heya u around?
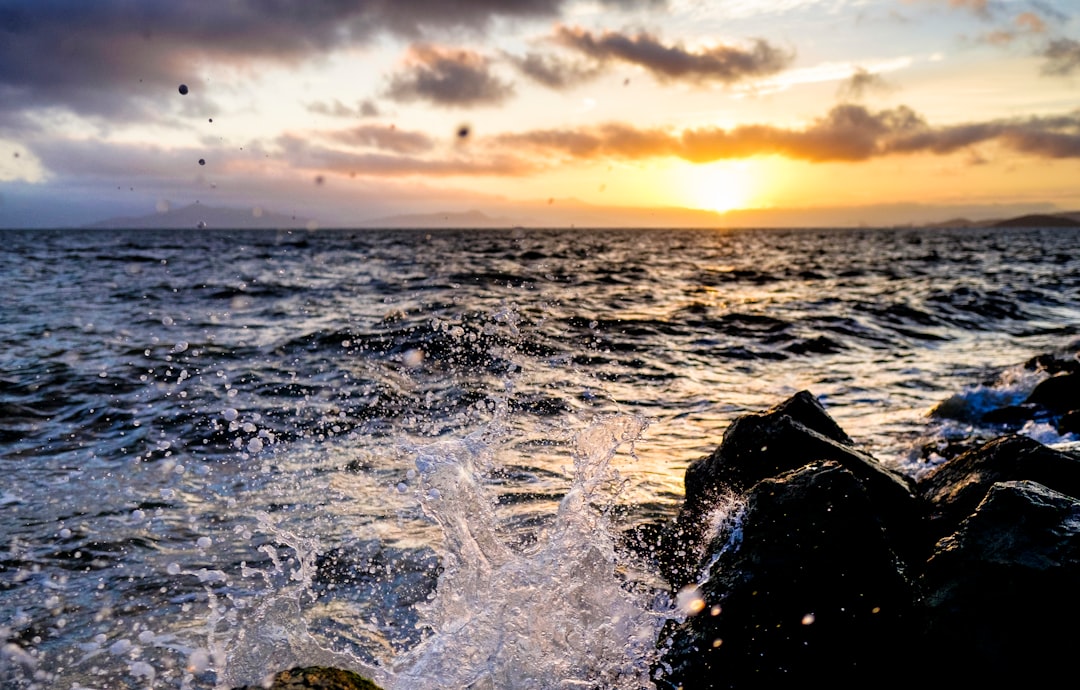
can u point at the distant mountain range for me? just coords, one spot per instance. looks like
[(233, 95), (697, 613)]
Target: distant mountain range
[(570, 213), (198, 216)]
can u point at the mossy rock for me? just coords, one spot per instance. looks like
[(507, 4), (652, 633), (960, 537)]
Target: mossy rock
[(316, 678)]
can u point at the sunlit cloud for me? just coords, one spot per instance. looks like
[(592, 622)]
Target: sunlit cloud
[(847, 132)]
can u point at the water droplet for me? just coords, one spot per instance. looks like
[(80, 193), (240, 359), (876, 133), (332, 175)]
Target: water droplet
[(689, 601), (183, 89), (199, 661), (808, 619), (65, 533), (255, 445), (120, 647), (463, 132), (202, 161), (413, 358), (204, 542), (173, 569), (230, 414)]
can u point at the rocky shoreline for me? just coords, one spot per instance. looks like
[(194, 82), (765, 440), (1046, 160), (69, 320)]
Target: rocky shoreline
[(798, 557)]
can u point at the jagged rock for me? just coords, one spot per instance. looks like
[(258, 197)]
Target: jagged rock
[(758, 446), (316, 678), (811, 591), (954, 489), (1002, 590)]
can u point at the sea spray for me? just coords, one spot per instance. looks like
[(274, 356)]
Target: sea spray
[(560, 614)]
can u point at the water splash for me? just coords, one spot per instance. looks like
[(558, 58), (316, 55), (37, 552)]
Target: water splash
[(559, 615)]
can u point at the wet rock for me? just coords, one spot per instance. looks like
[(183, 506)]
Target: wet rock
[(1069, 423), (1001, 591), (804, 586), (1058, 394), (836, 570), (759, 446), (953, 490), (316, 678)]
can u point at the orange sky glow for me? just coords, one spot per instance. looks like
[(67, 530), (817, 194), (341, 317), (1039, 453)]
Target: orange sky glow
[(344, 112)]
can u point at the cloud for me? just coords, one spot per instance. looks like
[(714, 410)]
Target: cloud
[(386, 138), (1024, 24), (846, 133), (980, 8), (553, 72), (724, 64), (364, 108), (860, 82), (448, 77), (1062, 57), (118, 59), (300, 153)]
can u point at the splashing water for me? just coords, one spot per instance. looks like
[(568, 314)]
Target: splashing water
[(558, 615)]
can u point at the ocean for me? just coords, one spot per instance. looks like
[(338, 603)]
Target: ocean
[(412, 453)]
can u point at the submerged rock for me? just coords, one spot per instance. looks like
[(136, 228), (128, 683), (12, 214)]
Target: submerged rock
[(316, 678)]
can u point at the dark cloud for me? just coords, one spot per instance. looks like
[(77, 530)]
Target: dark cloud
[(846, 133), (365, 108), (118, 59), (448, 77), (386, 138), (860, 83), (723, 64), (1062, 57), (552, 71)]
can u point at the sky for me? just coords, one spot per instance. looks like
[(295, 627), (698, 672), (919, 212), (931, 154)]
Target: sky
[(342, 111)]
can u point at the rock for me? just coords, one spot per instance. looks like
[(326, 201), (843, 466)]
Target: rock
[(953, 490), (811, 590), (1011, 415), (1002, 593), (1069, 423), (1052, 364), (1058, 394), (316, 678), (760, 446)]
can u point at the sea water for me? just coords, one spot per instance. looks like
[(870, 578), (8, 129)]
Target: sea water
[(416, 454)]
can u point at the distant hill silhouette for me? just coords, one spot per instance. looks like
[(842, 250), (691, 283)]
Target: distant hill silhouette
[(196, 216), (1039, 220)]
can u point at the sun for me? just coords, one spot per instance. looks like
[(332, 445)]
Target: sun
[(723, 186)]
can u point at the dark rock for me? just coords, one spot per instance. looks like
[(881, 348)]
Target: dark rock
[(759, 446), (954, 489), (1012, 415), (316, 678), (1069, 423), (810, 590), (1058, 394), (1002, 590), (1053, 364)]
